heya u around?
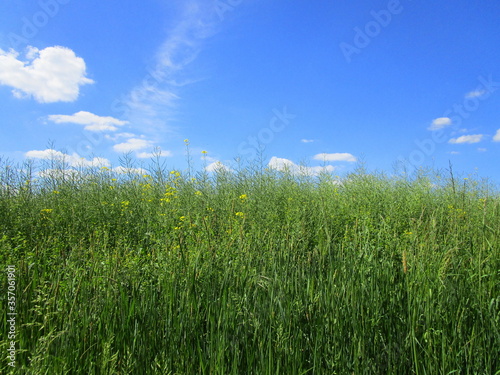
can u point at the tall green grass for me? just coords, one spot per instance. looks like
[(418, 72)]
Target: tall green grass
[(251, 272)]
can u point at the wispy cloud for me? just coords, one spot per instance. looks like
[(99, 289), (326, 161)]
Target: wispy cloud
[(340, 156), (53, 74), (115, 137), (307, 140), (89, 120), (154, 102), (473, 138), (475, 93), (440, 123)]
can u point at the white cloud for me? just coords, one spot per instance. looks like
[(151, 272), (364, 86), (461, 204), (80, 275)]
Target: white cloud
[(454, 152), (340, 156), (132, 144), (153, 103), (307, 140), (73, 160), (59, 173), (496, 137), (117, 136), (53, 74), (439, 123), (148, 155), (474, 138), (281, 164), (90, 121), (125, 170), (217, 166), (286, 165), (155, 98), (475, 93)]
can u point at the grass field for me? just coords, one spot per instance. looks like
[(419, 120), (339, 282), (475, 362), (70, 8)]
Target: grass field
[(250, 272)]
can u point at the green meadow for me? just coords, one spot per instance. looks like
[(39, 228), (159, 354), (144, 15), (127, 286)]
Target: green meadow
[(253, 271)]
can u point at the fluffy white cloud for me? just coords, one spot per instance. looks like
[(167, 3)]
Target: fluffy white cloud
[(217, 166), (73, 160), (496, 137), (53, 74), (281, 164), (287, 165), (339, 156), (473, 138), (132, 144), (90, 121), (439, 123)]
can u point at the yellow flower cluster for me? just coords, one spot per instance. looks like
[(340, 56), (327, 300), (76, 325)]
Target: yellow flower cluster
[(457, 211), (170, 192), (125, 205)]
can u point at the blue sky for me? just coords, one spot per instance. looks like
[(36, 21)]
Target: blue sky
[(321, 83)]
